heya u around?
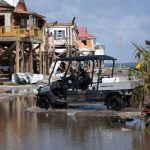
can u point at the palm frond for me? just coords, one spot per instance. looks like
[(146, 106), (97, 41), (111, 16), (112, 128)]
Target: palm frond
[(141, 93), (147, 125)]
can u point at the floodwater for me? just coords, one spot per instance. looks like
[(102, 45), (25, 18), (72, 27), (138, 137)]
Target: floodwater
[(26, 127)]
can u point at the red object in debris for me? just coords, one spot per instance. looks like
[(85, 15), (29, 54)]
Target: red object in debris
[(83, 33)]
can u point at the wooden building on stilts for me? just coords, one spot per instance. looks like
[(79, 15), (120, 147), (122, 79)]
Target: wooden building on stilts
[(60, 40), (21, 36)]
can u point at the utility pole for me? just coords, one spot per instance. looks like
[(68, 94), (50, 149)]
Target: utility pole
[(120, 52)]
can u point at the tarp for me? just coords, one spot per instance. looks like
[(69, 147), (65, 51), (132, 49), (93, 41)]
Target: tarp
[(27, 78)]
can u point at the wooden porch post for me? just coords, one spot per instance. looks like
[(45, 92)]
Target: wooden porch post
[(31, 58), (22, 57), (27, 57), (40, 54), (10, 65), (17, 55), (44, 64)]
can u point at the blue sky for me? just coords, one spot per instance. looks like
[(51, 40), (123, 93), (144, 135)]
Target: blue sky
[(108, 20)]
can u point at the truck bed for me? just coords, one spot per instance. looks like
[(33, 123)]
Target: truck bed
[(117, 84)]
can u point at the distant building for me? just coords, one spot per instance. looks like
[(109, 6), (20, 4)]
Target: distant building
[(64, 36), (86, 41), (99, 49), (147, 42)]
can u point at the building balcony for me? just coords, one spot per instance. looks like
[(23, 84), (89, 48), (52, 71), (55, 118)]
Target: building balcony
[(17, 32)]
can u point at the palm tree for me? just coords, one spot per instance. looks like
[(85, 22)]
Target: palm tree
[(141, 94)]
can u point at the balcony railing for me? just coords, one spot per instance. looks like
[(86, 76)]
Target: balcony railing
[(16, 31)]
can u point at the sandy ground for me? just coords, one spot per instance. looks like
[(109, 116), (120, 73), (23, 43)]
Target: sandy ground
[(7, 87), (125, 113)]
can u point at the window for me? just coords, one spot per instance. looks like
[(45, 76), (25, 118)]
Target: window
[(1, 20), (23, 23), (35, 21), (59, 34)]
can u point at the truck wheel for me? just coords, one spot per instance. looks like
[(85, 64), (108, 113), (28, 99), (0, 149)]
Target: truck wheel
[(42, 102), (114, 103), (127, 101)]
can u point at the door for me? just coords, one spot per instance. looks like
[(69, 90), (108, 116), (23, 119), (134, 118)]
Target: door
[(1, 20)]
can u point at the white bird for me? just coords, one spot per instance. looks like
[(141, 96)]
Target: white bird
[(71, 114), (125, 129)]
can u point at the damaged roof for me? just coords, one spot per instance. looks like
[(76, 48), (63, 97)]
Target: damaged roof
[(82, 33), (58, 24), (5, 6), (22, 9), (21, 6), (30, 13)]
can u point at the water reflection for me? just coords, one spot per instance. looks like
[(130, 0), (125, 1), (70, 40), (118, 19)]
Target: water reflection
[(25, 130), (24, 91), (81, 106)]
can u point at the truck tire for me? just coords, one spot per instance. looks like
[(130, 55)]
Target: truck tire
[(42, 102), (114, 103), (127, 102)]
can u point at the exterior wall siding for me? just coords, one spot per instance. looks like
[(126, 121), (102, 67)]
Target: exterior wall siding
[(68, 38), (88, 45)]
